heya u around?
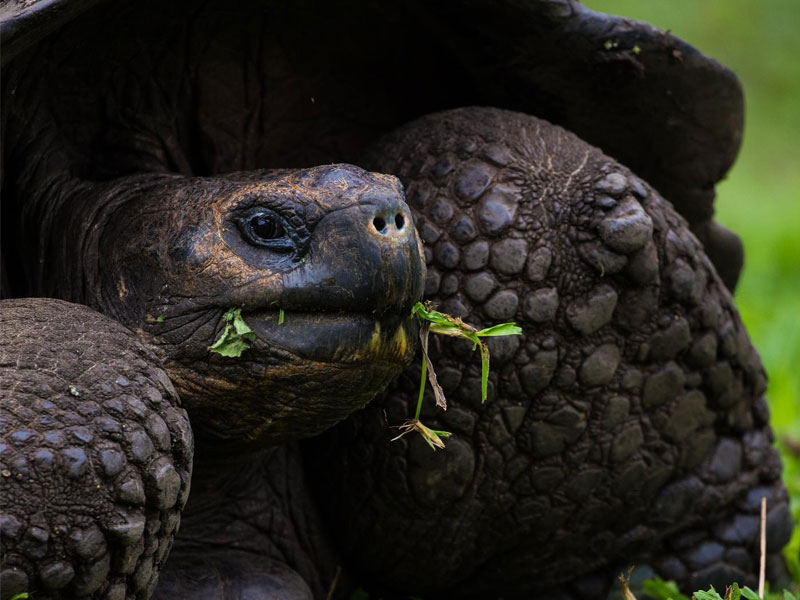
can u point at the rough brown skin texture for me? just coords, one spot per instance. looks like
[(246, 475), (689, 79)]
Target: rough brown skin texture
[(627, 424), (251, 528), (95, 457), (340, 280)]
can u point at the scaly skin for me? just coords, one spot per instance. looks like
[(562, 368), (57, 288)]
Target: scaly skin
[(631, 409), (95, 458)]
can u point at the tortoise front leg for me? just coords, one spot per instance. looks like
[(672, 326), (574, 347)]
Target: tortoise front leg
[(725, 549), (95, 455)]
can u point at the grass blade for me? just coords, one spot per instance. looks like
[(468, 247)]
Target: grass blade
[(484, 372), (501, 329)]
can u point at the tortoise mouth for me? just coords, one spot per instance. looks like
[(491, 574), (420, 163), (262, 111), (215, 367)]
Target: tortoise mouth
[(344, 337)]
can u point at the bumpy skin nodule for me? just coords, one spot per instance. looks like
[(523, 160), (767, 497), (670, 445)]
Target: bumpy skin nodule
[(627, 423), (95, 455)]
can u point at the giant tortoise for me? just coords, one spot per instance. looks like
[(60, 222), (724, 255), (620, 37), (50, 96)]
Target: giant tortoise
[(175, 175)]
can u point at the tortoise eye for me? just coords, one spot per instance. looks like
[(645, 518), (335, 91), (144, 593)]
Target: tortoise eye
[(265, 229)]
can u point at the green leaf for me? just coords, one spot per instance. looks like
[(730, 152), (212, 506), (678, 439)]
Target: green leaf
[(232, 348), (223, 339), (236, 336), (240, 327), (658, 589), (434, 316), (432, 437), (447, 329), (501, 329), (22, 596), (749, 594), (484, 372), (449, 325), (787, 595), (711, 594), (472, 338), (280, 316), (443, 324), (733, 593), (440, 433)]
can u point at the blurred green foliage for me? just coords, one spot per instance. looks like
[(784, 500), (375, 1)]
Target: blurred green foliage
[(760, 199)]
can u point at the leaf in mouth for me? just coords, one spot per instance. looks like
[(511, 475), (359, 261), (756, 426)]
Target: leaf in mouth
[(236, 336)]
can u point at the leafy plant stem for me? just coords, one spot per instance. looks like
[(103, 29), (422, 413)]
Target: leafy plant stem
[(443, 324), (422, 381)]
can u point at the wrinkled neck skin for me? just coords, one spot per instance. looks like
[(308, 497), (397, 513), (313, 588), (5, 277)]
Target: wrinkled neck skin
[(62, 216), (258, 505), (71, 217)]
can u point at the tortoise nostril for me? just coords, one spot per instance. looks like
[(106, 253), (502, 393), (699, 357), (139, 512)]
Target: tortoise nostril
[(379, 224), (391, 221)]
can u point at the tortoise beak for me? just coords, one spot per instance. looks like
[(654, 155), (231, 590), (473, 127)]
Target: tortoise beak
[(365, 258)]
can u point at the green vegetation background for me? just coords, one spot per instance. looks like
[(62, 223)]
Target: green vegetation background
[(760, 199)]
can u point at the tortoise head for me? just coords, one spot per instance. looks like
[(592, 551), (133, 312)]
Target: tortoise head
[(321, 264)]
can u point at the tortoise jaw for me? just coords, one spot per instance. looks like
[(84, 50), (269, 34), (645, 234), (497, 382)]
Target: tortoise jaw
[(321, 366), (347, 338)]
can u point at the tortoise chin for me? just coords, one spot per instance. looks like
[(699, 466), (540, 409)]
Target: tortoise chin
[(297, 379)]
